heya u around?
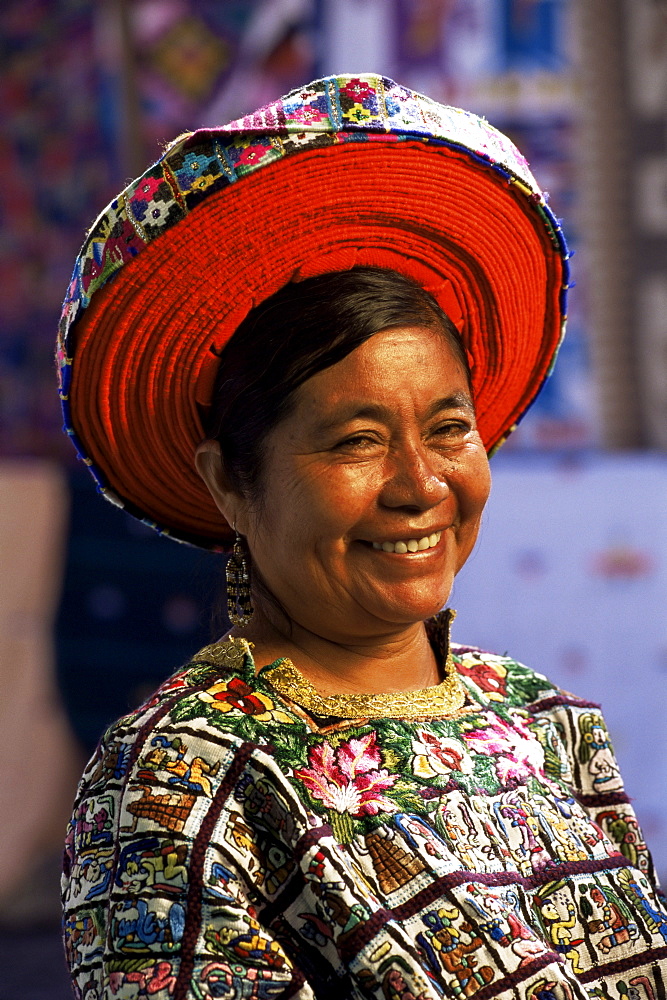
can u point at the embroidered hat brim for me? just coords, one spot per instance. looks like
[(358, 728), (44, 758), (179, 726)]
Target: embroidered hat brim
[(346, 171)]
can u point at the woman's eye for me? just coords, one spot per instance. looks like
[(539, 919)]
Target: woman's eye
[(453, 428), (357, 442)]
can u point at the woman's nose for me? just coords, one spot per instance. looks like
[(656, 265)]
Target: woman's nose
[(413, 481)]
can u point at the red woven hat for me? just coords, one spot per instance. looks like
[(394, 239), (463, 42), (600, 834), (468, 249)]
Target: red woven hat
[(346, 171)]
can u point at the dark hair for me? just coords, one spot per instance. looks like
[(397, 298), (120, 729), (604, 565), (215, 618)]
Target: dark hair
[(304, 328)]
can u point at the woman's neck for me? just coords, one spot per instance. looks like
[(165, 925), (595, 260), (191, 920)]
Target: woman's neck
[(403, 660)]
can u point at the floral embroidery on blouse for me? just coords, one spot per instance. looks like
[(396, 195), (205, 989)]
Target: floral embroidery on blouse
[(231, 841)]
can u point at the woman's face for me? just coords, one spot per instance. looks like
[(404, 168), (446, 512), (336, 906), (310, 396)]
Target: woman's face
[(373, 489)]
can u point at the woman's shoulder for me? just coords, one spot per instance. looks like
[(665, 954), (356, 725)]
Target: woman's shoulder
[(162, 763), (215, 694), (499, 678), (495, 679), (572, 731)]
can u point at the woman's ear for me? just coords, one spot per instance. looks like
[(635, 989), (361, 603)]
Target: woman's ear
[(211, 468)]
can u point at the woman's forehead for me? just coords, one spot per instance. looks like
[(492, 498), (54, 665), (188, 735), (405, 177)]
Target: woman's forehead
[(384, 377)]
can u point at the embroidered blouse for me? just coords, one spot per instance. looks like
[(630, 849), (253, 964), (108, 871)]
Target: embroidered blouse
[(241, 836)]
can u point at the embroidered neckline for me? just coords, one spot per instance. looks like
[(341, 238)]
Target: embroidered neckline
[(287, 680), (445, 698)]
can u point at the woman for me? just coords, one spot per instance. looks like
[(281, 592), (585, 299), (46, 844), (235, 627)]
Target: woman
[(298, 337)]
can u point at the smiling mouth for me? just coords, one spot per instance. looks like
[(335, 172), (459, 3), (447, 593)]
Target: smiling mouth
[(410, 544)]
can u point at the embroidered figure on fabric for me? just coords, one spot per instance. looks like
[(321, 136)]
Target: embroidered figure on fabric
[(460, 826), (451, 950), (624, 829), (393, 865), (92, 873), (222, 979), (219, 880), (503, 922), (240, 836), (263, 804), (560, 917), (611, 919), (422, 837), (655, 918), (193, 776), (152, 862), (249, 946), (556, 763), (148, 980), (112, 764), (137, 925), (596, 752), (548, 989), (519, 824), (562, 834), (84, 936)]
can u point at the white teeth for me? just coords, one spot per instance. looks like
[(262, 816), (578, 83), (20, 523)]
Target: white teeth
[(411, 545)]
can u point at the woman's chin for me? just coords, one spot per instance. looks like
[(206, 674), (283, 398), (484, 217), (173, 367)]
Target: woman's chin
[(409, 605)]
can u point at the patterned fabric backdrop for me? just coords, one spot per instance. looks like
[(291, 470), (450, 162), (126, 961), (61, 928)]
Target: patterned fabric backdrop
[(57, 163)]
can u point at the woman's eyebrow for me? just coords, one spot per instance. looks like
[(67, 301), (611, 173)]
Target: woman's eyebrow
[(456, 401), (352, 411)]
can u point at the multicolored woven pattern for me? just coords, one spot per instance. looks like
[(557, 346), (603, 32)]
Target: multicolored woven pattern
[(229, 841)]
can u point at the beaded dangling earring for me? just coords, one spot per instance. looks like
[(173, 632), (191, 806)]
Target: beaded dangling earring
[(239, 603)]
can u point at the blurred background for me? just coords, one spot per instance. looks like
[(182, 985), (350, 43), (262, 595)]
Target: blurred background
[(571, 571)]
